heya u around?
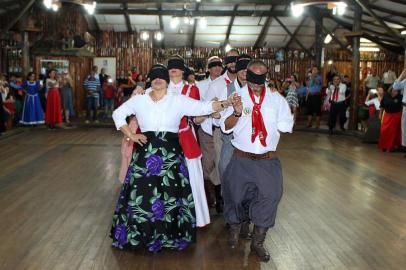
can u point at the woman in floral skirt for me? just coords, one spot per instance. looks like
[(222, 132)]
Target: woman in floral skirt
[(155, 208)]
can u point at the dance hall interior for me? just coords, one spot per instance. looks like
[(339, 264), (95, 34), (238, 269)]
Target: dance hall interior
[(202, 134)]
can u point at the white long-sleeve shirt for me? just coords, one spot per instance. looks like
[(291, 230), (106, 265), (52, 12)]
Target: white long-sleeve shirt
[(163, 115), (398, 84), (341, 92), (277, 118)]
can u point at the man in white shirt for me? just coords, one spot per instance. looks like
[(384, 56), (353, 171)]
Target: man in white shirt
[(253, 177), (336, 96), (400, 83), (389, 78), (210, 134), (371, 82)]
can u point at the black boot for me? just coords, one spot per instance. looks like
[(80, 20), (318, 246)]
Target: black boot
[(245, 230), (219, 199), (257, 243), (234, 235)]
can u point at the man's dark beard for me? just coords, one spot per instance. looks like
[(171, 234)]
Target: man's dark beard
[(231, 71)]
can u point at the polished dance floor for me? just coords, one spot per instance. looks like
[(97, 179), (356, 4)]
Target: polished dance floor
[(344, 207)]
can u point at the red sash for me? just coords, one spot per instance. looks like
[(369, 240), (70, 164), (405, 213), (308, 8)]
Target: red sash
[(187, 138)]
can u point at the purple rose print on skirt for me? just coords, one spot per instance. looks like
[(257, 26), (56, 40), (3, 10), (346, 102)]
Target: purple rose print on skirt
[(128, 175), (155, 246), (121, 234), (181, 244), (183, 169), (158, 208), (154, 164)]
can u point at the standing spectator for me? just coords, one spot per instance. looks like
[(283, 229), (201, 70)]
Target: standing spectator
[(140, 81), (389, 78), (67, 97), (331, 74), (32, 113), (371, 82), (313, 97), (17, 92), (102, 77), (292, 96), (109, 93), (400, 84), (336, 96), (373, 101), (53, 114), (390, 137), (91, 85)]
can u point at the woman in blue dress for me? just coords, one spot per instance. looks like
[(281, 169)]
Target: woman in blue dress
[(32, 110)]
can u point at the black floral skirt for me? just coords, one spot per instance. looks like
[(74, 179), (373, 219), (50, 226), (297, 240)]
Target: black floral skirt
[(155, 208)]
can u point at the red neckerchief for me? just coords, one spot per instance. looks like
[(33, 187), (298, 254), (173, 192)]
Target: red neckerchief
[(258, 126), (227, 81), (335, 94)]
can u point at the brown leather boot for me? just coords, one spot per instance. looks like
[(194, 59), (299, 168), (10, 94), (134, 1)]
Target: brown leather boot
[(257, 243), (234, 235), (245, 230)]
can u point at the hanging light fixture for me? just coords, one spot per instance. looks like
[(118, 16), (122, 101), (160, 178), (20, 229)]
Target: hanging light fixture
[(328, 39), (227, 48), (297, 9), (47, 3), (144, 35), (159, 36), (90, 7)]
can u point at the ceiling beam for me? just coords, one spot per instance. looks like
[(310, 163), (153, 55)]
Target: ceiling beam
[(396, 35), (296, 31), (161, 27), (332, 31), (197, 13), (292, 36), (377, 40), (15, 19), (389, 11), (193, 39), (402, 2), (230, 25), (127, 17), (386, 19), (235, 2), (264, 31)]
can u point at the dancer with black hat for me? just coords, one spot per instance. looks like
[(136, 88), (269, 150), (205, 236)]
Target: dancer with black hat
[(155, 208), (210, 135), (253, 178)]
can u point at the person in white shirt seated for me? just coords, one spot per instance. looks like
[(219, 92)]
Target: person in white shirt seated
[(253, 177), (336, 96), (155, 208)]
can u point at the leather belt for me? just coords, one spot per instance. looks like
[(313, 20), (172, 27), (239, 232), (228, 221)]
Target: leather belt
[(267, 155)]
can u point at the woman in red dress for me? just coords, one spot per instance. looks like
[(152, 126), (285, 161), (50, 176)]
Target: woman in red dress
[(53, 114)]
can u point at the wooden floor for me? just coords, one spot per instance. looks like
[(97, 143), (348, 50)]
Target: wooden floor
[(344, 207)]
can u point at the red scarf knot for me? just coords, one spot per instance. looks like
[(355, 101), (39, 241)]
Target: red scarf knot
[(258, 126)]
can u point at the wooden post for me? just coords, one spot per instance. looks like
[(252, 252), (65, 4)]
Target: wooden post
[(25, 54), (353, 124), (318, 46)]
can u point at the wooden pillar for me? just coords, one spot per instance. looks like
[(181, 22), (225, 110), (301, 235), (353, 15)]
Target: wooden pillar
[(318, 46), (25, 54), (355, 64)]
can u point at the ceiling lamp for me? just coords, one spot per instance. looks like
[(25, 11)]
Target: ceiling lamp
[(55, 6), (297, 9), (403, 32), (90, 7), (339, 8), (328, 39), (186, 20), (159, 36), (47, 3), (144, 35), (203, 22), (174, 22)]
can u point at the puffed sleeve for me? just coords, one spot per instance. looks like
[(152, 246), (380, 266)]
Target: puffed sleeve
[(285, 117), (191, 107), (126, 109)]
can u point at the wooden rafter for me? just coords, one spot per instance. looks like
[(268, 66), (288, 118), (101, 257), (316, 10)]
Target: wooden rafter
[(15, 19), (127, 17), (230, 26), (292, 36), (264, 31), (396, 35), (296, 31), (193, 39)]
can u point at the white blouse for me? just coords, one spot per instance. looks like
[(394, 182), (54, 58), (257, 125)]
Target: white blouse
[(163, 115), (375, 102)]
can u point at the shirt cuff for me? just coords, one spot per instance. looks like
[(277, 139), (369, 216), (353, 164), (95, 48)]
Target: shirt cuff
[(223, 123), (285, 126)]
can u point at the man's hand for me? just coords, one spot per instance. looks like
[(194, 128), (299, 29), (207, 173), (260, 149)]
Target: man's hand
[(237, 104)]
